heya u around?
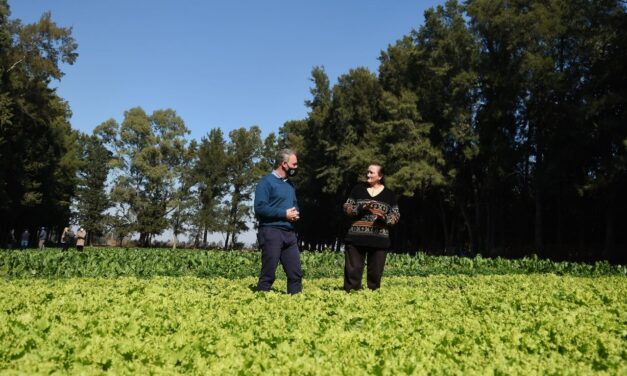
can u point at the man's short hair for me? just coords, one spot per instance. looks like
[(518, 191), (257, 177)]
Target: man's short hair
[(283, 155)]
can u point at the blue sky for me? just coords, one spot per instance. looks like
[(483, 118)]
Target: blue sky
[(217, 64)]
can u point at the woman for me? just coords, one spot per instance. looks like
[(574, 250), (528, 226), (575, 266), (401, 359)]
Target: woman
[(80, 238), (66, 238), (373, 210)]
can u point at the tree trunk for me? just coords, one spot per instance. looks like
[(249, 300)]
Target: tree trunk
[(226, 242), (608, 248), (538, 183), (233, 240), (538, 222), (469, 228), (558, 230), (196, 239), (480, 243), (489, 228), (444, 226)]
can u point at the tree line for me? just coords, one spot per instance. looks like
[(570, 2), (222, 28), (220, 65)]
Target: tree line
[(501, 125)]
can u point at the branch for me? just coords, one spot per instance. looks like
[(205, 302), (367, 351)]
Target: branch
[(15, 64)]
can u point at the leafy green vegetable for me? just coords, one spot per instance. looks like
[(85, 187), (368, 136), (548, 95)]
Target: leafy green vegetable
[(116, 262), (490, 324)]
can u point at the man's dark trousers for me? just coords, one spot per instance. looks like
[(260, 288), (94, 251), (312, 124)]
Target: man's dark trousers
[(279, 245)]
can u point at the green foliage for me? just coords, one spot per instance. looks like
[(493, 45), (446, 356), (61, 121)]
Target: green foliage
[(181, 207), (38, 149), (116, 262), (92, 198), (413, 325), (245, 160), (501, 123), (151, 157), (209, 173)]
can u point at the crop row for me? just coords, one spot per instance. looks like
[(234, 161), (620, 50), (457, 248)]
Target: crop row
[(116, 262)]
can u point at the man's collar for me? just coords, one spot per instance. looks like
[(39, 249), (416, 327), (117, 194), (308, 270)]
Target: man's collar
[(278, 176)]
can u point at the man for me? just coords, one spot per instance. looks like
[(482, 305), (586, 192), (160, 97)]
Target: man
[(42, 238), (24, 239), (276, 209)]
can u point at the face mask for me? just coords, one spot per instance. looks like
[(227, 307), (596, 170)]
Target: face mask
[(289, 172)]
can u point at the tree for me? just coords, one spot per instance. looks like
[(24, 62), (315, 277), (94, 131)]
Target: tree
[(437, 66), (243, 153), (182, 203), (150, 154), (210, 175), (92, 200), (604, 53), (37, 145), (311, 140)]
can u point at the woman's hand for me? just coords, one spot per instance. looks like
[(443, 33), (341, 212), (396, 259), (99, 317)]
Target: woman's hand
[(367, 206)]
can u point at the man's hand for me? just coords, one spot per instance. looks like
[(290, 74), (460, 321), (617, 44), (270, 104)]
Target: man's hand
[(292, 214)]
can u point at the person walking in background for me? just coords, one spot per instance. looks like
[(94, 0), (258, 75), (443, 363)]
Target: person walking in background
[(276, 209), (373, 210), (42, 238), (66, 238), (80, 238), (11, 241), (24, 239)]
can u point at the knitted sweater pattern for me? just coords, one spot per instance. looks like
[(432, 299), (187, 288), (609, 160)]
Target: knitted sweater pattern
[(367, 229)]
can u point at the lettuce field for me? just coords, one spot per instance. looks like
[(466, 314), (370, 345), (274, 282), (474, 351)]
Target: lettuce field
[(195, 312)]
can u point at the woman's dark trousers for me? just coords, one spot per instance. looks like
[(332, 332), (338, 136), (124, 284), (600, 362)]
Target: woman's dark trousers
[(355, 260)]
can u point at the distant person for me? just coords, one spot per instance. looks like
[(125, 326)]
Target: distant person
[(12, 241), (24, 239), (276, 209), (373, 210), (80, 238), (42, 238), (66, 238)]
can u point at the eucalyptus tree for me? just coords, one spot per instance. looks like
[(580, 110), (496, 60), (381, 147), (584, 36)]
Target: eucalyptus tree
[(268, 153), (181, 207), (310, 139), (150, 160), (243, 154), (503, 121), (210, 176), (551, 107), (338, 120), (349, 126), (436, 65), (37, 145), (603, 58), (92, 200)]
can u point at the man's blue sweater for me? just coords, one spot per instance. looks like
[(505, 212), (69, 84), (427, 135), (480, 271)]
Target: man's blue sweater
[(273, 196)]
